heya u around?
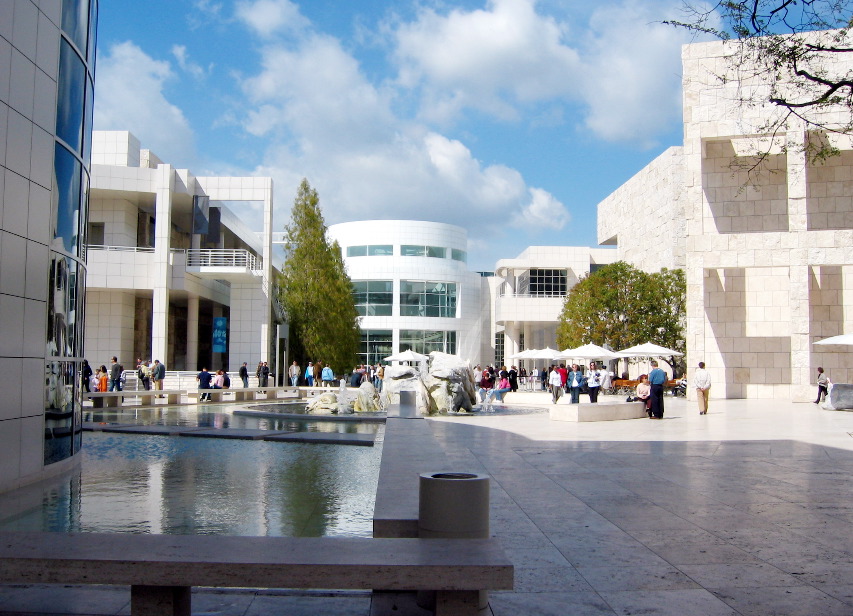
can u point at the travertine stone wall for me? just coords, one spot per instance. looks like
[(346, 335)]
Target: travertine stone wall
[(769, 262)]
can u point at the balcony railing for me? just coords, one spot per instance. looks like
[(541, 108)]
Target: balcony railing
[(219, 257)]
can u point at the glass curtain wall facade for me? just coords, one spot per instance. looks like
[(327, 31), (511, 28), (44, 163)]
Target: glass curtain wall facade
[(69, 205)]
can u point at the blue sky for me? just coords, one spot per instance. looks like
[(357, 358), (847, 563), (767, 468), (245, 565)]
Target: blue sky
[(511, 118)]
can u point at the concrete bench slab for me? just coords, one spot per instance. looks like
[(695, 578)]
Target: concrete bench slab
[(161, 569), (602, 411), (232, 433), (148, 397), (156, 430), (100, 399)]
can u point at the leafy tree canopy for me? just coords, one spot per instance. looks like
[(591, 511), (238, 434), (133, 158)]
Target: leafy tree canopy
[(804, 78), (316, 290), (620, 306)]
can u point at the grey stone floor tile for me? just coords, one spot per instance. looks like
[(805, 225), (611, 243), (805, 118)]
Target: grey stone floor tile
[(842, 592), (549, 604), (820, 573), (549, 579), (537, 557), (703, 554), (636, 577), (653, 537), (739, 575), (512, 541), (686, 602), (48, 598), (271, 605), (782, 601)]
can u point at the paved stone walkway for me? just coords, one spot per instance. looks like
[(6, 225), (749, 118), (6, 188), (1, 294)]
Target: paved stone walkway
[(745, 511)]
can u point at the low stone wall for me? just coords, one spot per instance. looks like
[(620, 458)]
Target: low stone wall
[(602, 411)]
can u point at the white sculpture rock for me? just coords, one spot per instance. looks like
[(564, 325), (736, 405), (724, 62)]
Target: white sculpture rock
[(345, 402), (446, 385)]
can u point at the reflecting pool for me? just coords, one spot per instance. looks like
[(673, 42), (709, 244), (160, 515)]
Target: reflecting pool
[(180, 485)]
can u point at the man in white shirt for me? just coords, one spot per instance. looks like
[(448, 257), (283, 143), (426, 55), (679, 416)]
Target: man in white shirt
[(702, 383)]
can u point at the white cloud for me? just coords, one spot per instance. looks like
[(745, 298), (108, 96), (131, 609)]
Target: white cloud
[(269, 17), (631, 80), (328, 123), (484, 59), (130, 97), (186, 65), (619, 73)]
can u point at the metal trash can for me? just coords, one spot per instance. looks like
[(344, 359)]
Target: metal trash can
[(453, 506)]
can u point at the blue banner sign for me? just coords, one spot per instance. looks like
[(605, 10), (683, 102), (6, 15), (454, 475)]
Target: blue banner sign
[(220, 334)]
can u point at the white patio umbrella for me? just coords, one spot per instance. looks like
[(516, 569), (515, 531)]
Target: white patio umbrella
[(521, 354), (408, 355), (845, 339), (546, 353), (648, 350), (589, 351)]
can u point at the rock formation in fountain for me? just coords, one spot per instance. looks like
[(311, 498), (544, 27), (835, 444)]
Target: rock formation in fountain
[(344, 402), (447, 384)]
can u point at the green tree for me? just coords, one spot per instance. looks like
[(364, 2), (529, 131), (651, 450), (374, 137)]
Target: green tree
[(804, 78), (620, 306), (315, 289)]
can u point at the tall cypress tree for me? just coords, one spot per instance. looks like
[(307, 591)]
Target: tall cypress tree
[(316, 290)]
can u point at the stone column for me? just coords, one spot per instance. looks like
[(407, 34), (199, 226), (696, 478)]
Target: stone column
[(796, 175), (192, 332), (161, 269), (800, 331)]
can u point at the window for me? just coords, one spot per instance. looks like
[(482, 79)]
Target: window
[(380, 250), (499, 349), (409, 250), (71, 97), (376, 345), (373, 297), (96, 234), (459, 255), (375, 250), (425, 341), (427, 299), (543, 283), (67, 190)]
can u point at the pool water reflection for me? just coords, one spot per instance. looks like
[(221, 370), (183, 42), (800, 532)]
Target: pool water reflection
[(180, 485)]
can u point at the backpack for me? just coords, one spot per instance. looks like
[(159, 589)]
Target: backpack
[(226, 381)]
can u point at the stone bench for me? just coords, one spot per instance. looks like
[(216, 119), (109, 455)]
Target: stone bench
[(602, 411), (148, 396), (254, 393), (215, 394), (162, 569), (100, 399)]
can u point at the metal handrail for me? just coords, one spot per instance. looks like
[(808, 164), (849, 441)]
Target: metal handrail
[(119, 248), (220, 257)]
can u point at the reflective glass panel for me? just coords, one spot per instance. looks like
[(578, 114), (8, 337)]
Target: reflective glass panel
[(75, 21), (376, 344), (356, 251), (65, 198), (63, 337), (63, 414), (459, 255), (436, 251), (71, 95), (412, 251), (380, 250), (426, 341), (427, 299)]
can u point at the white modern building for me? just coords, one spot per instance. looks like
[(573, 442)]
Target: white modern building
[(413, 287), (528, 292), (175, 271), (47, 53), (769, 267)]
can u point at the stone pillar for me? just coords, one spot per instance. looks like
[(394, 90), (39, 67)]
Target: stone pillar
[(799, 276), (161, 273), (796, 176), (192, 332)]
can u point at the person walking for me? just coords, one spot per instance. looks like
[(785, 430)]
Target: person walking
[(594, 378), (158, 374), (702, 383), (328, 376), (822, 385), (574, 380), (293, 373), (556, 383), (657, 379), (86, 376), (265, 375), (244, 374), (309, 374), (204, 379), (116, 370)]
